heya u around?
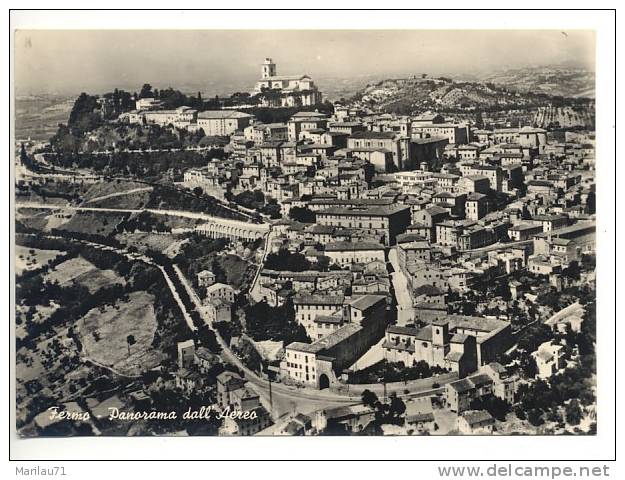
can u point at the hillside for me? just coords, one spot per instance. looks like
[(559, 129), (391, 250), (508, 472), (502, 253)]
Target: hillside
[(562, 81), (410, 95)]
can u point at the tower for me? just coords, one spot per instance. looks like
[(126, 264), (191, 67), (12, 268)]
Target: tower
[(440, 341), (268, 69)]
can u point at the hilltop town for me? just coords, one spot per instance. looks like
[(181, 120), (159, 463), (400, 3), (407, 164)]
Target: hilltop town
[(416, 259)]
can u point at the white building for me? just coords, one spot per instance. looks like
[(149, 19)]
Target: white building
[(548, 359), (222, 123), (291, 90)]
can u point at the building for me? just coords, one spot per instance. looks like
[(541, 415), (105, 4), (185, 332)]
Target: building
[(549, 359), (220, 291), (476, 206), (261, 132), (446, 335), (227, 384), (493, 173), (384, 222), (567, 244), (474, 183), (459, 394), (504, 385), (475, 422), (222, 123), (204, 360), (147, 103), (533, 137), (181, 117), (433, 344), (234, 395), (412, 253), (381, 141), (524, 231), (551, 223), (285, 90), (186, 350), (454, 133), (420, 414), (205, 278), (319, 364), (355, 418), (347, 253), (309, 307)]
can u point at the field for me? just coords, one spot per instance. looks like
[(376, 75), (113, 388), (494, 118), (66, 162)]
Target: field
[(104, 335), (79, 270), (117, 194), (102, 223), (39, 316), (239, 272), (37, 117), (32, 258), (167, 244), (103, 189)]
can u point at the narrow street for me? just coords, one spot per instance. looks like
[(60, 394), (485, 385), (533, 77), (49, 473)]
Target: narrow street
[(284, 398), (255, 287), (405, 309)]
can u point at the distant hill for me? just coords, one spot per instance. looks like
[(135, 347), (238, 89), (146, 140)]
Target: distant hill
[(37, 116), (419, 93), (562, 81)]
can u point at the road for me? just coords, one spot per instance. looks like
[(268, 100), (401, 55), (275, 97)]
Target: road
[(405, 308), (255, 287), (284, 398), (81, 174), (173, 213), (119, 194), (575, 309)]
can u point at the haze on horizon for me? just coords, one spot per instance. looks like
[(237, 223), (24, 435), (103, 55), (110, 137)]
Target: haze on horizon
[(224, 61)]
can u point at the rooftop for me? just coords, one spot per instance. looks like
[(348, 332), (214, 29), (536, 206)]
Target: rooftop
[(375, 210), (221, 114), (373, 135), (473, 417), (350, 246), (366, 301), (318, 299)]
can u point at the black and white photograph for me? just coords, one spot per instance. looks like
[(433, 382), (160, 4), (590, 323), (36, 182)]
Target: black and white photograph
[(306, 232)]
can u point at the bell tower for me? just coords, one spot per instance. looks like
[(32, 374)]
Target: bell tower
[(440, 341), (268, 69)]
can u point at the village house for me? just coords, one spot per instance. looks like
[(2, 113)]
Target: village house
[(475, 422)]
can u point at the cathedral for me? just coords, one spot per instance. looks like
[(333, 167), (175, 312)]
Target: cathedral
[(285, 90)]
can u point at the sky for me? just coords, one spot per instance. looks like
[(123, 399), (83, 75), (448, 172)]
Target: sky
[(224, 61)]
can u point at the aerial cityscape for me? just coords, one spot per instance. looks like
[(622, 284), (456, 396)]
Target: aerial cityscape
[(407, 254)]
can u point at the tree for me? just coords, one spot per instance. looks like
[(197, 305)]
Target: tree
[(528, 365), (130, 340), (369, 398), (534, 336), (302, 214), (535, 417), (285, 260), (573, 412), (397, 407), (479, 121), (146, 91), (497, 407)]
